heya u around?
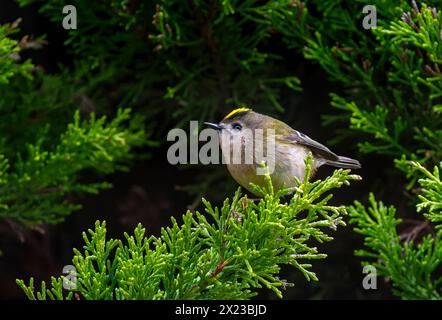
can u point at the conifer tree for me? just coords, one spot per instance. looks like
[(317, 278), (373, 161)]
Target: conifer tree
[(174, 61)]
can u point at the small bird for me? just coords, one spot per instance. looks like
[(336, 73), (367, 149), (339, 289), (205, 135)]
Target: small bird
[(291, 148)]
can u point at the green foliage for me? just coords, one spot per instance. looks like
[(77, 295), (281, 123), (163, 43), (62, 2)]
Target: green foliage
[(34, 189), (431, 198), (224, 254), (430, 188), (42, 151), (391, 98), (412, 267), (207, 55), (390, 73), (9, 54), (175, 61)]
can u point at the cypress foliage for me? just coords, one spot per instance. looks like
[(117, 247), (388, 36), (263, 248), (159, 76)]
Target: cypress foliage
[(175, 61)]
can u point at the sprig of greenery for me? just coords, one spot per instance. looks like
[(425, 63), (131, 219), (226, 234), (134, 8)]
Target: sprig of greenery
[(412, 266), (10, 54), (33, 189), (431, 197), (150, 37), (42, 151), (226, 253), (209, 55), (392, 95), (407, 41)]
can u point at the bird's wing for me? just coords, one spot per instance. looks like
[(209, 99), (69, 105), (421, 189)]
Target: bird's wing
[(314, 146)]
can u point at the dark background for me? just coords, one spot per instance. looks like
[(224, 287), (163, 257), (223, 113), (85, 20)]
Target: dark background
[(43, 251)]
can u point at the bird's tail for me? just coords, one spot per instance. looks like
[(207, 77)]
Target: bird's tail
[(345, 163)]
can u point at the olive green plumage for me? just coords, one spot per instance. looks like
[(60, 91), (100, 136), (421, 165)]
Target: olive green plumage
[(290, 149)]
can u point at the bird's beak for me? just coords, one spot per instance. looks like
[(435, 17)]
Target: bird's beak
[(213, 125)]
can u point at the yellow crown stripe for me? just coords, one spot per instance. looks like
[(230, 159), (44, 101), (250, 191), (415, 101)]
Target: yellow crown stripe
[(231, 114)]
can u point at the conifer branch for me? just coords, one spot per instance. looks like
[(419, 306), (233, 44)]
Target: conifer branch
[(226, 253)]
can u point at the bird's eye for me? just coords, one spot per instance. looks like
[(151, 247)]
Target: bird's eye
[(237, 126)]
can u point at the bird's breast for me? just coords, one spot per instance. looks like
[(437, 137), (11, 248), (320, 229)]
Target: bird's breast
[(287, 162)]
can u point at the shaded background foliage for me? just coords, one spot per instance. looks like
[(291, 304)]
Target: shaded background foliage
[(173, 62)]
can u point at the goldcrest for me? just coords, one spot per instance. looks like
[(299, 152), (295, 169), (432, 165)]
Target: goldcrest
[(283, 146)]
